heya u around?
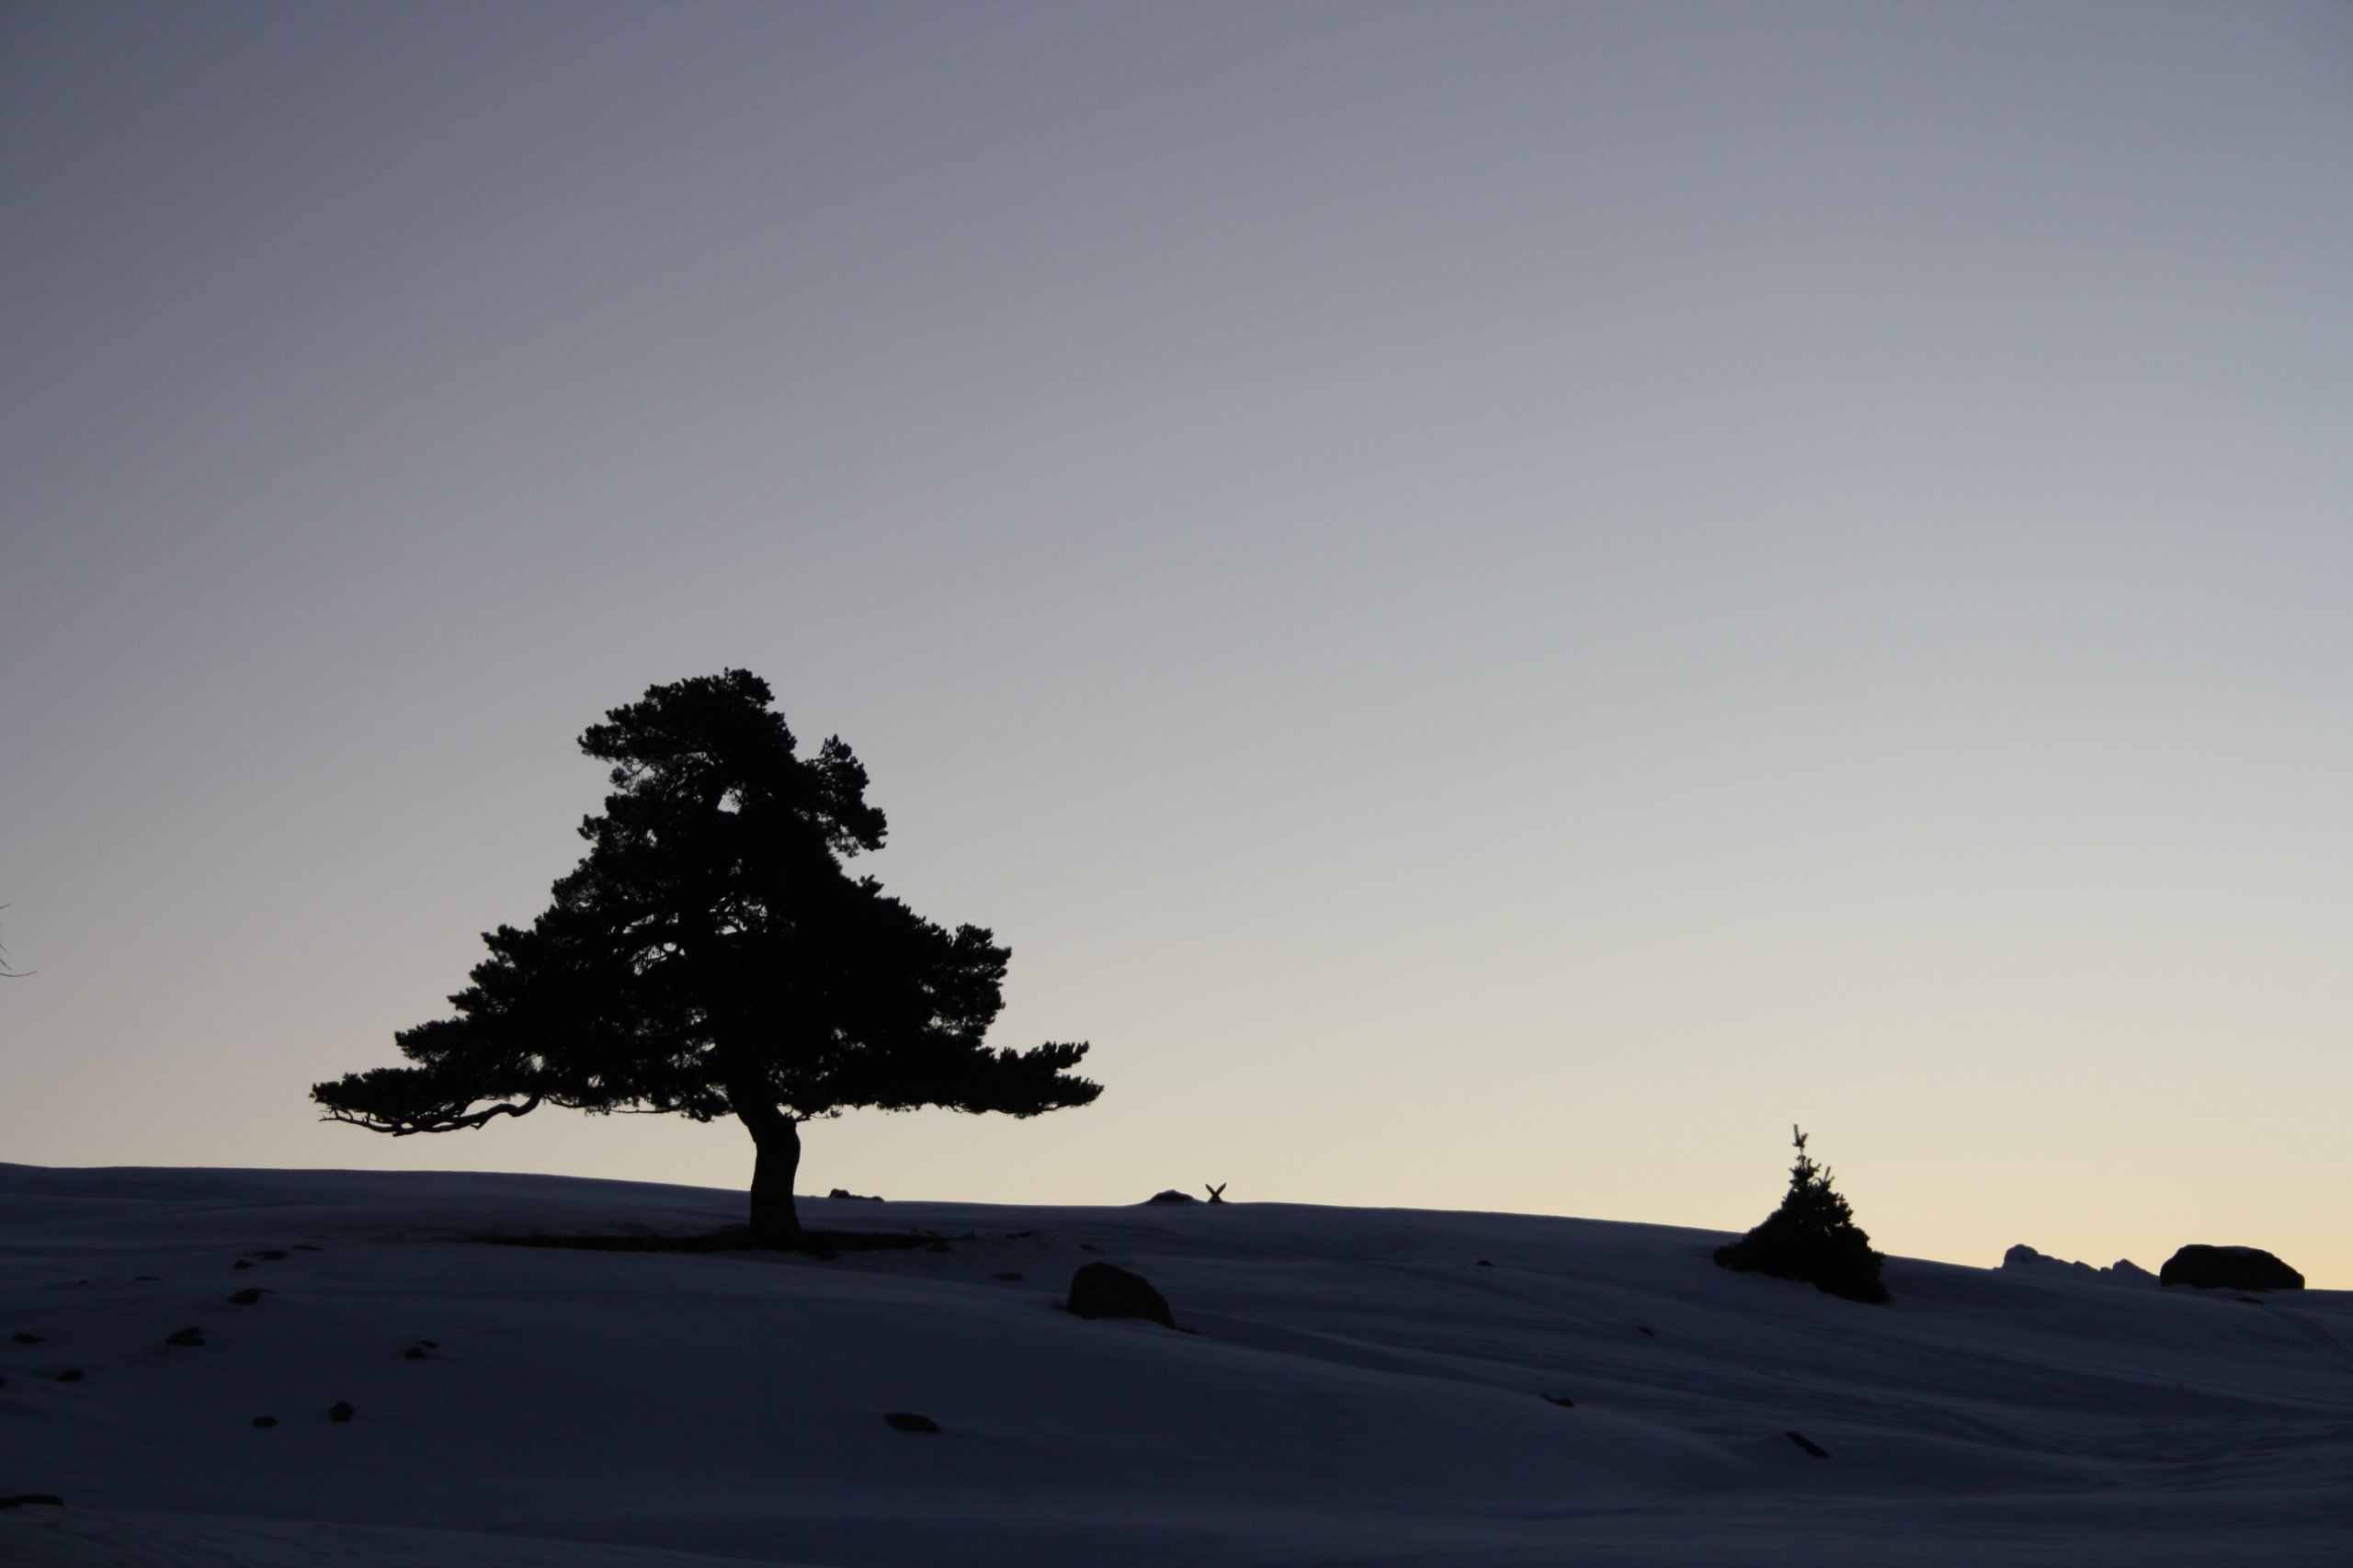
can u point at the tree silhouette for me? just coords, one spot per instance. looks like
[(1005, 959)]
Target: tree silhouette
[(710, 957), (1812, 1237)]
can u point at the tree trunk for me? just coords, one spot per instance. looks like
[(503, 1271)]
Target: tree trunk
[(777, 1139)]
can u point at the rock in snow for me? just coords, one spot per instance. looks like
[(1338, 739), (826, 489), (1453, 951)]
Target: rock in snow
[(1106, 1291), (2024, 1259), (2228, 1268)]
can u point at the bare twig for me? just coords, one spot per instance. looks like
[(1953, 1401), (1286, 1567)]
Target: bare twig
[(7, 971)]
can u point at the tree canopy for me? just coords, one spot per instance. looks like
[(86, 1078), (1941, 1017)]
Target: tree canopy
[(710, 956)]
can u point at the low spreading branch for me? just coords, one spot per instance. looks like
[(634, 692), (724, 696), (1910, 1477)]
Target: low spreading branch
[(430, 1122)]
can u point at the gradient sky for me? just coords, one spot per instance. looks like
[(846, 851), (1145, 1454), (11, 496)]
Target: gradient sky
[(1497, 601)]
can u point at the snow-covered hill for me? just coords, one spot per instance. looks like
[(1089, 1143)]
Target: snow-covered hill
[(1360, 1386)]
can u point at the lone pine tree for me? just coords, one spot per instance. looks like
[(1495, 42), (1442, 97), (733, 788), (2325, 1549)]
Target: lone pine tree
[(710, 957), (1811, 1237)]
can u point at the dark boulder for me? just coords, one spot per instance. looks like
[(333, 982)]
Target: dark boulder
[(1106, 1291), (1172, 1196), (908, 1420), (2228, 1268), (340, 1411)]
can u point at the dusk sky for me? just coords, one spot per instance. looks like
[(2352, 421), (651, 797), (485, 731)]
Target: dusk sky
[(1498, 602)]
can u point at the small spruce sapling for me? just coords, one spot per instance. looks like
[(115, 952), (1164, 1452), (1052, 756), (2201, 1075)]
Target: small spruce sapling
[(1811, 1237)]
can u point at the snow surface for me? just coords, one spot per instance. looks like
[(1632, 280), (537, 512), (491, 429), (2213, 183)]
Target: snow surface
[(1358, 1388)]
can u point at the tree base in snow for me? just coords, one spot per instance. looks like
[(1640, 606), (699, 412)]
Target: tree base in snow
[(1839, 1261)]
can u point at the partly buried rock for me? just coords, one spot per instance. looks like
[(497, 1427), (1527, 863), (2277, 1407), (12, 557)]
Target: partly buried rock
[(2024, 1259), (2228, 1268), (1105, 1291), (1172, 1196)]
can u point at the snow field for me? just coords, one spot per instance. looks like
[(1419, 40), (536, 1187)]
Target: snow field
[(1360, 1386)]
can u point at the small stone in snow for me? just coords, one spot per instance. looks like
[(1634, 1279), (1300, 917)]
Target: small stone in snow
[(188, 1336), (341, 1412), (1104, 1291), (249, 1295), (32, 1339), (1803, 1441), (908, 1420), (265, 1420)]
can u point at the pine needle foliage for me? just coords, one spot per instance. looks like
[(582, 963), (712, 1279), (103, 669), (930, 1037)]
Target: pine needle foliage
[(1812, 1237)]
